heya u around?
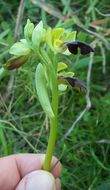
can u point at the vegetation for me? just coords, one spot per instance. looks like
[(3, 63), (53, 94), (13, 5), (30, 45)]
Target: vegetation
[(83, 144)]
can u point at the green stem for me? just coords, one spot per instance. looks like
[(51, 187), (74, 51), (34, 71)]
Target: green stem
[(52, 74), (53, 127), (51, 144)]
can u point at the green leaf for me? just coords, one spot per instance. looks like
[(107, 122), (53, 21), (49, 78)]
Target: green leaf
[(82, 63), (99, 162), (3, 34), (3, 73), (61, 66), (42, 92), (104, 186), (3, 140)]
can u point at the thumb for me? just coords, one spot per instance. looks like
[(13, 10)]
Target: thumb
[(37, 180)]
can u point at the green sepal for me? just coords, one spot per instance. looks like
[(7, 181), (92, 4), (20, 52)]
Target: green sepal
[(20, 48), (71, 37), (41, 86), (61, 66), (66, 74), (48, 38), (28, 30), (38, 35)]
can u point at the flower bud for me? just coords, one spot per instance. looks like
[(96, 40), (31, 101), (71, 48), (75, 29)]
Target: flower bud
[(16, 62)]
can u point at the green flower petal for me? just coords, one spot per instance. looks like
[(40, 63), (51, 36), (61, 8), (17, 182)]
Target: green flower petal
[(57, 33), (71, 37), (66, 74), (61, 66)]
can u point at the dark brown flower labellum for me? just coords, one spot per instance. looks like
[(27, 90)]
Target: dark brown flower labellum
[(72, 81), (73, 47), (16, 62)]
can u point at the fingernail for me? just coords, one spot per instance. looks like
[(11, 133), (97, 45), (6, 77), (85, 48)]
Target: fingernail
[(37, 180)]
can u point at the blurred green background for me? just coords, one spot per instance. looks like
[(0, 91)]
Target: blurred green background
[(85, 150)]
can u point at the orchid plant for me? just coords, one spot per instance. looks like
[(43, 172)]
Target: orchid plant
[(46, 45)]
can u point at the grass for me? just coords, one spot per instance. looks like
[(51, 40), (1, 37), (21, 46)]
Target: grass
[(85, 153)]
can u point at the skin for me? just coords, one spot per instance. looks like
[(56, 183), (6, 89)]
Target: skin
[(15, 170)]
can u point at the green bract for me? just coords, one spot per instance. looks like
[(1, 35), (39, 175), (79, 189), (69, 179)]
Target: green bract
[(41, 87)]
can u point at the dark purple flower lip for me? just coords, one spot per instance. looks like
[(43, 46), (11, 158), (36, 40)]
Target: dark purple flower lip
[(72, 81), (73, 47)]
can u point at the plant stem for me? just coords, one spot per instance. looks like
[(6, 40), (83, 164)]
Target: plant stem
[(52, 68), (53, 128)]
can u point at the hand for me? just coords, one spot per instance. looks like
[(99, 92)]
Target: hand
[(24, 172)]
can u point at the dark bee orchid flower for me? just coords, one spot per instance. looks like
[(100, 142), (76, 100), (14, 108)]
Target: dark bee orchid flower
[(72, 81), (73, 47)]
